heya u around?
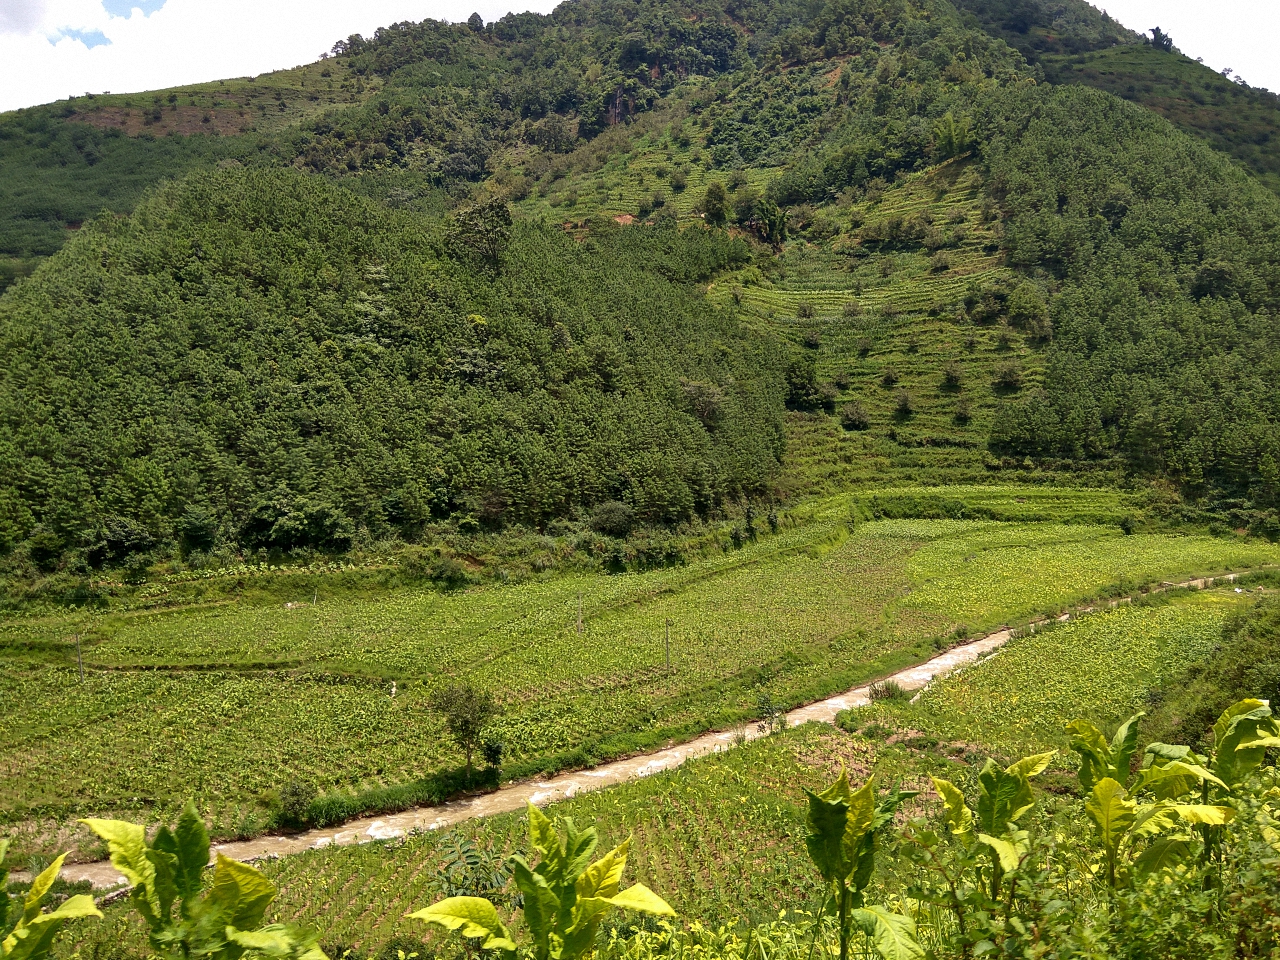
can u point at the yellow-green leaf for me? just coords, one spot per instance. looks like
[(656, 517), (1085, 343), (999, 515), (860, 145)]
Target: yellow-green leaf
[(1032, 766), (1005, 851), (959, 816), (127, 843), (862, 810), (1111, 811), (543, 837), (838, 790), (894, 935), (1203, 813), (75, 908), (640, 898), (242, 893), (471, 917), (39, 887), (604, 877)]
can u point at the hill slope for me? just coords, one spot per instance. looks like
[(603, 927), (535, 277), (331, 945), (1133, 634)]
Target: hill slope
[(1073, 42), (939, 267), (267, 359)]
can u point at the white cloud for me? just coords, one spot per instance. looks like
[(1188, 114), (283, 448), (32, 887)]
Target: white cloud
[(21, 16)]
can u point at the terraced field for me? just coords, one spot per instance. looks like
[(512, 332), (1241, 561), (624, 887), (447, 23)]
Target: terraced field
[(883, 320), (1099, 667), (823, 605)]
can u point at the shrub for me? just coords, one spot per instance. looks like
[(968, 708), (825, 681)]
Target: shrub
[(804, 310), (467, 710), (889, 377), (492, 750), (853, 416), (812, 339), (887, 690), (613, 519), (1008, 377), (296, 798), (803, 392), (951, 375), (828, 395), (851, 309), (903, 405)]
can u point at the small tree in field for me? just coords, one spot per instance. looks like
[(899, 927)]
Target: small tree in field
[(467, 711)]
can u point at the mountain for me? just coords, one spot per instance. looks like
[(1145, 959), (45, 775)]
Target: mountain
[(1073, 42), (860, 241)]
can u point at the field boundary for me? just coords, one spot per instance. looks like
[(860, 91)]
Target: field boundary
[(562, 786)]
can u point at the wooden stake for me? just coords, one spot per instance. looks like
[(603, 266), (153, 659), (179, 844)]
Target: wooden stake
[(579, 611), (79, 660), (668, 643)]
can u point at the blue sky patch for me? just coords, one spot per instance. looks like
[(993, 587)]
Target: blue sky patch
[(90, 38), (122, 8)]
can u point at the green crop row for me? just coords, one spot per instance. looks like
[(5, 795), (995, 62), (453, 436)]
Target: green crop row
[(341, 689), (1099, 667)]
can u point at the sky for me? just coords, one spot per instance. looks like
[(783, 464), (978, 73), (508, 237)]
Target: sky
[(52, 49)]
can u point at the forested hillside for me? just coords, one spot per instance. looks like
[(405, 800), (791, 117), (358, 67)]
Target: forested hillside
[(266, 359), (876, 224), (1166, 267), (1074, 42)]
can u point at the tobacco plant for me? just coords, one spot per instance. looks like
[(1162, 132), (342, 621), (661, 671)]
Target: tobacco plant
[(842, 840), (188, 912), (565, 895), (31, 934), (1136, 837)]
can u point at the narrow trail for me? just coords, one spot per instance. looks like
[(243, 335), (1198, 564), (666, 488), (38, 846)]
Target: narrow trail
[(514, 796)]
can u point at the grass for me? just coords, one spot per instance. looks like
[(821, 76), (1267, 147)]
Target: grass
[(721, 838), (193, 693), (1099, 667)]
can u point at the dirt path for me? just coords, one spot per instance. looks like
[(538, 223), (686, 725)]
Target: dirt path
[(514, 796)]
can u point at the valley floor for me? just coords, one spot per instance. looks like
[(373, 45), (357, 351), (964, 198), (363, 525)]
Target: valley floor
[(722, 836), (232, 701)]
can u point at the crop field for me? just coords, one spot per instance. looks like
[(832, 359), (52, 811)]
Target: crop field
[(723, 837), (229, 700), (1099, 667), (720, 837), (884, 324)]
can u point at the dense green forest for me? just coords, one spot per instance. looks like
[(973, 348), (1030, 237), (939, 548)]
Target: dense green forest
[(1073, 42), (267, 359), (384, 294), (1166, 267)]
